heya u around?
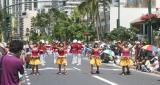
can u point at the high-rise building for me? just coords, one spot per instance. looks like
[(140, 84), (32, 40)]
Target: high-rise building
[(70, 5), (30, 6), (26, 23), (26, 5), (44, 7), (16, 9)]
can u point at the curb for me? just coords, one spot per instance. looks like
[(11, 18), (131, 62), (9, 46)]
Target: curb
[(155, 72), (132, 67)]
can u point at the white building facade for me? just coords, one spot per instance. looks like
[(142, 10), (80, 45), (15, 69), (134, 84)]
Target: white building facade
[(45, 6), (19, 6), (129, 11), (27, 23), (70, 5)]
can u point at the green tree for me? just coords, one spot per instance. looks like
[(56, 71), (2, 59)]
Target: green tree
[(1, 24), (90, 8), (123, 34), (34, 37)]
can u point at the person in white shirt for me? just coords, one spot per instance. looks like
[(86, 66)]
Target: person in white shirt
[(155, 64)]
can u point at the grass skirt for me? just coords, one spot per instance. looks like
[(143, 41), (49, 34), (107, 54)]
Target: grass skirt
[(124, 61), (61, 60), (35, 61), (96, 61)]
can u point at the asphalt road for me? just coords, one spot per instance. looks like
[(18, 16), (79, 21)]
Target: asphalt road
[(80, 75)]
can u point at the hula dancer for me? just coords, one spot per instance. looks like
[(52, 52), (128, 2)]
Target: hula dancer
[(125, 60), (61, 60), (95, 58), (35, 59)]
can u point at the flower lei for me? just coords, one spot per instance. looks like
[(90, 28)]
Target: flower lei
[(148, 17)]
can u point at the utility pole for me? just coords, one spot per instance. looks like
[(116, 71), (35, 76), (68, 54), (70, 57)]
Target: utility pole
[(149, 29), (105, 15), (118, 20), (4, 23)]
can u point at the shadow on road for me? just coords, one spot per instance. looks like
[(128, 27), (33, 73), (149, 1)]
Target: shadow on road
[(158, 80)]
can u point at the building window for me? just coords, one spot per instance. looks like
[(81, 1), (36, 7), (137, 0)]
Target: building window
[(139, 3), (35, 4)]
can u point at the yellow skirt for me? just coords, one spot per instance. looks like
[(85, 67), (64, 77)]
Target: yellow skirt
[(61, 60), (95, 61), (35, 61), (125, 61)]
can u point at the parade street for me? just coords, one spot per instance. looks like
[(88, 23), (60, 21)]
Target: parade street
[(80, 75)]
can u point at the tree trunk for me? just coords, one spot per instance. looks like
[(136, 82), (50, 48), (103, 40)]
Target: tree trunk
[(104, 9), (96, 26), (100, 25), (0, 5)]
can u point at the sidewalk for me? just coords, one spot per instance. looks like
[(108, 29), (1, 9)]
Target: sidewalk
[(156, 72), (132, 67)]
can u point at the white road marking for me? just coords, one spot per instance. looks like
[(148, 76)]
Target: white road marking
[(104, 80), (27, 79), (27, 76), (85, 58), (29, 83), (111, 69), (51, 68), (77, 68)]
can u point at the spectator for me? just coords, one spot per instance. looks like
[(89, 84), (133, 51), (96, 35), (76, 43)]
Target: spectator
[(137, 51), (146, 65), (159, 59), (155, 64), (12, 64)]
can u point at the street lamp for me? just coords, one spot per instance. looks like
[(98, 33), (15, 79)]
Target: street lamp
[(118, 20), (149, 29), (87, 34)]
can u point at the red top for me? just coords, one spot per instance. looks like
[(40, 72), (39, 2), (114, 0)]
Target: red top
[(96, 52), (125, 53), (54, 48), (35, 52), (74, 48), (48, 46), (42, 49), (61, 51), (80, 48)]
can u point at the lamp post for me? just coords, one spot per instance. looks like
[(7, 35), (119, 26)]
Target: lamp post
[(118, 20), (149, 29), (87, 34)]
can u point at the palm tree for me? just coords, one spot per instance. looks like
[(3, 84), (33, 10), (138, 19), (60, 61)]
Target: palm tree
[(91, 8)]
